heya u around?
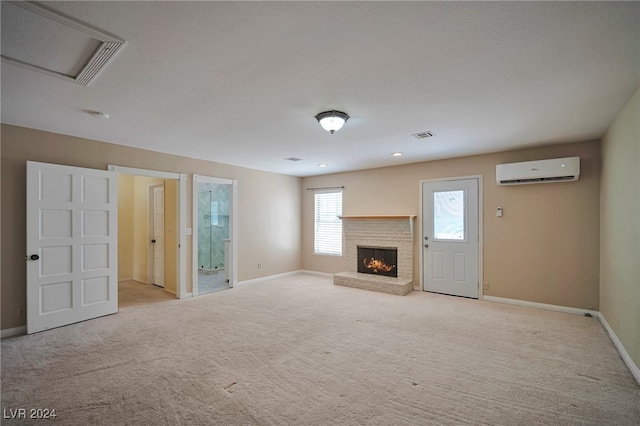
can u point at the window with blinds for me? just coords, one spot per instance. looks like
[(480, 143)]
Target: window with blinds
[(328, 228)]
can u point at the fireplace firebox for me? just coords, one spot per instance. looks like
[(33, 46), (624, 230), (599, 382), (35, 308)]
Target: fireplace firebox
[(378, 260)]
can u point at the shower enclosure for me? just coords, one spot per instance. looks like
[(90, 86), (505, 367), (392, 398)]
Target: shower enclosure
[(213, 225), (215, 233)]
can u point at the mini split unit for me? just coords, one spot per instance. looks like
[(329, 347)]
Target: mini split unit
[(543, 171)]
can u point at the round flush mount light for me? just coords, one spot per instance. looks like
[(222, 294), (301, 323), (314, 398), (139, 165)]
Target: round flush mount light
[(332, 121), (396, 154), (322, 165), (99, 115)]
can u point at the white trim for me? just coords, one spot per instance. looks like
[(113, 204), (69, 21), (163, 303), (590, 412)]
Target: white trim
[(480, 237), (320, 274), (633, 368), (187, 295), (267, 278), (15, 331), (181, 267), (526, 303), (480, 179), (233, 229), (145, 172)]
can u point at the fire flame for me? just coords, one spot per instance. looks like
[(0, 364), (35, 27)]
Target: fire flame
[(377, 265)]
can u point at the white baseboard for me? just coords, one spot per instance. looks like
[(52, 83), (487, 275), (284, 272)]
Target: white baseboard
[(15, 331), (267, 278), (556, 308), (626, 358), (320, 274), (635, 371)]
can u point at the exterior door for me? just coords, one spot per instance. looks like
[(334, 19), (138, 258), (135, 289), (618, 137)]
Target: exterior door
[(72, 240), (450, 237), (158, 236)]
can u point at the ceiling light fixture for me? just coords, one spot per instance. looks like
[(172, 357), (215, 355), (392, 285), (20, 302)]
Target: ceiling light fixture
[(322, 165), (396, 154), (332, 120)]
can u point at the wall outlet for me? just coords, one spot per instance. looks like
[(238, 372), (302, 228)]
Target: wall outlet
[(21, 313), (485, 285), (259, 265)]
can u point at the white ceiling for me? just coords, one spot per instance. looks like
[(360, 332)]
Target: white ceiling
[(241, 82)]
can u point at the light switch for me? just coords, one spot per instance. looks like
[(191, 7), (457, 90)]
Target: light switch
[(187, 231)]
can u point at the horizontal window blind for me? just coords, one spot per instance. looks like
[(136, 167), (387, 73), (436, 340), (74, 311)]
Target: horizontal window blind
[(328, 228)]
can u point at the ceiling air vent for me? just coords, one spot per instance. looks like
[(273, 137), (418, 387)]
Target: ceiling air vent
[(423, 135), (42, 39), (293, 159)]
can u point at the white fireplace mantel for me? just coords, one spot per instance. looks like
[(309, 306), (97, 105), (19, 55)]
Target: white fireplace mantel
[(380, 217)]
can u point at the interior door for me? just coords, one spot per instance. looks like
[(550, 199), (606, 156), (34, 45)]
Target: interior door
[(158, 236), (72, 239), (450, 237)]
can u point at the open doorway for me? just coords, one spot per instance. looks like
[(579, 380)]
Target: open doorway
[(149, 249), (214, 242), (146, 240)]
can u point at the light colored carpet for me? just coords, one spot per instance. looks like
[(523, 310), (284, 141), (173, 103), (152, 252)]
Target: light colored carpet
[(134, 293), (300, 351)]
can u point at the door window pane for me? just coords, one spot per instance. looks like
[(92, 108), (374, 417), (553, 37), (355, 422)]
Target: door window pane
[(448, 215)]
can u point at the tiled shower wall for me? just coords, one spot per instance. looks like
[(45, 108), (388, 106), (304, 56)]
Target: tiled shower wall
[(211, 236)]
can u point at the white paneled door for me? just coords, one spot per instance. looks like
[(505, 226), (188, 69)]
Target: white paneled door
[(72, 240), (158, 236), (450, 237)]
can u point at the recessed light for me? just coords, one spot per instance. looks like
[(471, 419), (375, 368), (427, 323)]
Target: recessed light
[(322, 165), (99, 115), (396, 154)]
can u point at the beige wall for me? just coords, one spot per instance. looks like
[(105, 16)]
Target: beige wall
[(620, 227), (268, 204), (544, 249), (125, 227)]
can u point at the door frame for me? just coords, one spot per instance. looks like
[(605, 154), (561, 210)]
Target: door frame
[(181, 258), (480, 227), (233, 228)]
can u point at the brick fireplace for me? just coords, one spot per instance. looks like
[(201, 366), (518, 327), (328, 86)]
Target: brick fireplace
[(381, 235)]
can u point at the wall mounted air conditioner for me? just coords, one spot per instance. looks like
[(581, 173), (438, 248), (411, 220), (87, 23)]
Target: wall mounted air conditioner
[(542, 171)]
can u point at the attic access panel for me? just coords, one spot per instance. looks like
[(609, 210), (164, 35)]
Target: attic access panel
[(44, 40)]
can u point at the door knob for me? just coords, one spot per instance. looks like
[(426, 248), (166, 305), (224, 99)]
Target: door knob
[(153, 241), (426, 246), (34, 257)]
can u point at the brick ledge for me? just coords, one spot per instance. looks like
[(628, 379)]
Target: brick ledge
[(397, 286)]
